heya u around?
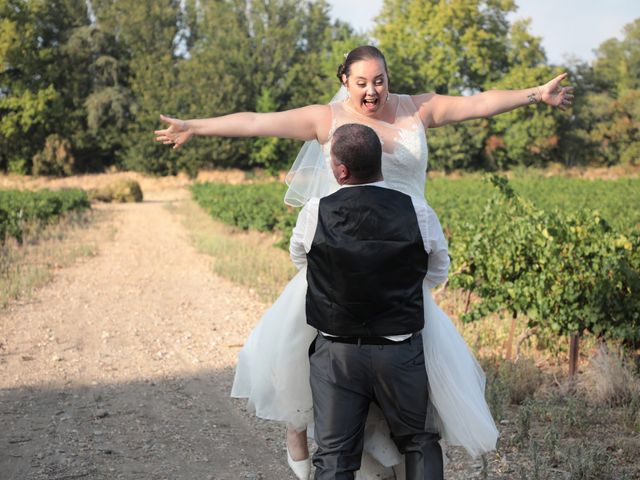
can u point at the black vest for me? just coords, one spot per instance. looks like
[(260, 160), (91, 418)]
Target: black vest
[(366, 264)]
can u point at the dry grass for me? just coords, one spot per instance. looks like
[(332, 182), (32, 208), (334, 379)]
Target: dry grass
[(552, 430), (549, 428), (93, 181), (247, 258), (148, 183), (610, 378), (24, 268)]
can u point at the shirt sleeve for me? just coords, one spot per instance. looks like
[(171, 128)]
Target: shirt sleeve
[(435, 243), (303, 233)]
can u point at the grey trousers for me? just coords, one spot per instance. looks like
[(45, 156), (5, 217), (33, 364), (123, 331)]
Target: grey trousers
[(345, 379)]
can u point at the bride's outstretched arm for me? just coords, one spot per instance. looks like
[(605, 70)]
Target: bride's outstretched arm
[(303, 123), (437, 110)]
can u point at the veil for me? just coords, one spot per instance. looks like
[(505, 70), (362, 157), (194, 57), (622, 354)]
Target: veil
[(310, 175)]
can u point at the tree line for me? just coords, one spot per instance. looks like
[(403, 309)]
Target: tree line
[(82, 82)]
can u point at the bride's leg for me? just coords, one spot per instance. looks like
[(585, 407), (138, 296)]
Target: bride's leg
[(297, 443), (298, 453)]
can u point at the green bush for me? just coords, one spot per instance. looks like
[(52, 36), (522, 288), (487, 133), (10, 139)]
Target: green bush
[(20, 208), (258, 206)]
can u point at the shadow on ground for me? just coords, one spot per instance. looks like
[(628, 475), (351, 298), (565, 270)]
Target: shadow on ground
[(161, 428)]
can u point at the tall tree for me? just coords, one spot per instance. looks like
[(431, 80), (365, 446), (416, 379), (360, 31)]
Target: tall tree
[(37, 92), (606, 128), (255, 56), (525, 136), (215, 79), (147, 34), (100, 108), (617, 63), (297, 65), (464, 47), (450, 47), (446, 46)]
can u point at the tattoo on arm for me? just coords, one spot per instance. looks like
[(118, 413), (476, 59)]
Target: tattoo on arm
[(532, 98)]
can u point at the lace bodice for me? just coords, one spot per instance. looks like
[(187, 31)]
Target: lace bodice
[(404, 144)]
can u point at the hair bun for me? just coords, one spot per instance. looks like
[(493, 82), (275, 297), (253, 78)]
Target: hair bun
[(341, 71)]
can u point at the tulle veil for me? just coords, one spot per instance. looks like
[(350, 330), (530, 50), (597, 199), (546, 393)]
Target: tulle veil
[(310, 175)]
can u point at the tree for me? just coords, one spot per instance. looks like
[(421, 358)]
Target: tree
[(34, 88), (464, 47), (102, 105), (146, 34), (605, 128), (262, 56), (613, 127), (446, 46), (525, 136), (617, 63)]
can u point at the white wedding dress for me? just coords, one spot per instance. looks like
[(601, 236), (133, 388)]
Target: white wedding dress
[(273, 365)]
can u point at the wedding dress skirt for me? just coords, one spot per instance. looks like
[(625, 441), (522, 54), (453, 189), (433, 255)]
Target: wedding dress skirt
[(273, 374)]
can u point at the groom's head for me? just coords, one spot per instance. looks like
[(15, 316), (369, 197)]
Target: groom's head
[(356, 155)]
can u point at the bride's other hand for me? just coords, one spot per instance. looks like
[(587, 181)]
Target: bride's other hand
[(554, 94), (177, 133)]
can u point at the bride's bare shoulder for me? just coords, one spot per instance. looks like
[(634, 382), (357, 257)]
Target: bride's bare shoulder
[(425, 104), (323, 118)]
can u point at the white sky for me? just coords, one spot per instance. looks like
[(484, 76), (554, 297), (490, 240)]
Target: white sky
[(567, 27)]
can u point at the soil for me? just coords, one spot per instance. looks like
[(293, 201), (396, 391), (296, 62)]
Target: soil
[(121, 367)]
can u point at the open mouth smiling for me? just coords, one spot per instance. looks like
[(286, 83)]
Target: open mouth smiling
[(370, 103)]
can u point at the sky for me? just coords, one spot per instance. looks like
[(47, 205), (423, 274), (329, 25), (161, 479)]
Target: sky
[(569, 28)]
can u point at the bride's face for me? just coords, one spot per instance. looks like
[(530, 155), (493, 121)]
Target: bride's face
[(368, 86)]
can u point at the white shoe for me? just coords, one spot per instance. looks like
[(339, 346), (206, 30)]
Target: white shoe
[(301, 468)]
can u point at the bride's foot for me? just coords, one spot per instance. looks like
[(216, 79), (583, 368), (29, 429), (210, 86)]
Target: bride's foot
[(298, 453)]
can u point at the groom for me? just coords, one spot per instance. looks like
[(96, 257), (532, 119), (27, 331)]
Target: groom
[(368, 250)]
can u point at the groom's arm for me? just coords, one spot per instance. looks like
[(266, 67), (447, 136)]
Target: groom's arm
[(435, 243), (303, 233), (439, 261)]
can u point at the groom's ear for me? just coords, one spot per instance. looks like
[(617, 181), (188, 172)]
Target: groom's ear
[(345, 174)]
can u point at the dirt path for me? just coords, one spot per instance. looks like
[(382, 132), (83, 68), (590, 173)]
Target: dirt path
[(122, 366)]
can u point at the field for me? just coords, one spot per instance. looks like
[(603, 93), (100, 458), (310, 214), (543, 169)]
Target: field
[(258, 206), (547, 420), (163, 335)]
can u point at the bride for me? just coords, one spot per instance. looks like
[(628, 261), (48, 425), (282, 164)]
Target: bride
[(273, 367)]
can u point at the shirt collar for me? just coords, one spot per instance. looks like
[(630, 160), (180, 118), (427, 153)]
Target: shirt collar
[(380, 183)]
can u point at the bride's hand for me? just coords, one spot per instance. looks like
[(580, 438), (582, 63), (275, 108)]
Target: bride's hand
[(552, 93), (177, 134)]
